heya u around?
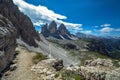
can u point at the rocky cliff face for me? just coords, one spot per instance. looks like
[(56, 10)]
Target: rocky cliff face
[(7, 42), (53, 27), (60, 33), (62, 30), (22, 23)]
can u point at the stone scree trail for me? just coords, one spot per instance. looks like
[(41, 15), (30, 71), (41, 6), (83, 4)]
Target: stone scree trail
[(24, 64)]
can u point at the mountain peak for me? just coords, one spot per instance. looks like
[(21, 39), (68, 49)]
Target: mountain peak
[(62, 26), (62, 30), (53, 27), (52, 30)]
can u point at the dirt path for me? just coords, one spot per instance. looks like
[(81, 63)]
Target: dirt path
[(23, 71)]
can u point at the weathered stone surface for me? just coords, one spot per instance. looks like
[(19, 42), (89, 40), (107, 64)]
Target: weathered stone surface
[(113, 75), (21, 22), (44, 69), (45, 30), (7, 42), (58, 64), (59, 33), (62, 30), (99, 62), (53, 27)]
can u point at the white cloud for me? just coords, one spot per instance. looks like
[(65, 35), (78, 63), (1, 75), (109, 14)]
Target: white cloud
[(106, 30), (87, 32), (105, 25), (109, 29), (41, 14), (118, 29)]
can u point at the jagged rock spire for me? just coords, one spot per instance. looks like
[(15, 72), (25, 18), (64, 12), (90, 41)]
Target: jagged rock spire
[(53, 27), (52, 30), (62, 30)]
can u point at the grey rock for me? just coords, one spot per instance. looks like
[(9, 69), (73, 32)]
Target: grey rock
[(99, 62), (58, 64), (21, 22), (113, 75), (58, 33), (53, 27), (7, 42), (62, 30)]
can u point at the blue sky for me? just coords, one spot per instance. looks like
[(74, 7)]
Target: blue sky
[(98, 17)]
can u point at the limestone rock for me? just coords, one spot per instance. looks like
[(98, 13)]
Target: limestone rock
[(59, 33), (53, 27), (21, 22), (45, 30), (98, 62), (58, 64), (113, 75), (62, 30), (7, 42), (45, 69)]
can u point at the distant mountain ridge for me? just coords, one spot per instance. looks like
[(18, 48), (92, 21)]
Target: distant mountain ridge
[(109, 46), (51, 30), (82, 35)]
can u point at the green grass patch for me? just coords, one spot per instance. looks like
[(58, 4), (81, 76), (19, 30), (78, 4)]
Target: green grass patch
[(116, 63), (97, 55), (38, 57), (68, 75)]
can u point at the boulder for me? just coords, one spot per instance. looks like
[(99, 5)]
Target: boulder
[(58, 64)]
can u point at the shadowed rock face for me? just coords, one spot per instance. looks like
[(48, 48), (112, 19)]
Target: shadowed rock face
[(55, 32), (22, 23), (53, 27), (45, 30), (7, 42), (62, 30)]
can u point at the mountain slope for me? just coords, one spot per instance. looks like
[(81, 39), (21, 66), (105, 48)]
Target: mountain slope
[(21, 22), (7, 42)]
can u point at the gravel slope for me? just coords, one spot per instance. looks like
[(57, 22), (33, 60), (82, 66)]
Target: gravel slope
[(24, 63)]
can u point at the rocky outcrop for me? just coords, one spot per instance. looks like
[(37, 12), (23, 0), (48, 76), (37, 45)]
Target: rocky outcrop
[(52, 27), (58, 64), (113, 75), (21, 22), (7, 42), (45, 69), (98, 69), (98, 62), (62, 30), (59, 33), (45, 30)]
